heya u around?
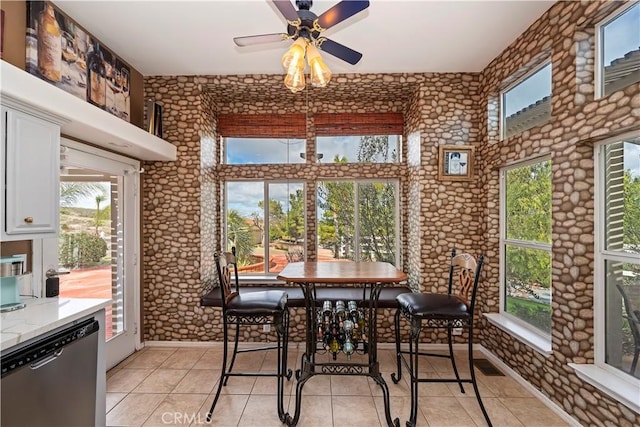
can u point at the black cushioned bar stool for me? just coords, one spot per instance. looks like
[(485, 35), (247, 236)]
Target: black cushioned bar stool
[(251, 308), (434, 310)]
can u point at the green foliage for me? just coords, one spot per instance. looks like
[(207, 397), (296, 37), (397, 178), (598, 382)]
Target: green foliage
[(295, 217), (377, 221), (534, 313), (376, 209), (528, 203), (528, 266), (71, 192), (375, 147), (239, 235), (336, 199), (632, 211), (81, 249), (100, 214), (528, 209)]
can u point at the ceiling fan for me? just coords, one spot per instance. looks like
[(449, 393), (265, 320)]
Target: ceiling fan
[(306, 24)]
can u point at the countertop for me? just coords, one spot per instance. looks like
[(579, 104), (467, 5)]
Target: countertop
[(42, 315)]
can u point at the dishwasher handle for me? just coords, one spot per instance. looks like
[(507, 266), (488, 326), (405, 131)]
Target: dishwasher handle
[(50, 358)]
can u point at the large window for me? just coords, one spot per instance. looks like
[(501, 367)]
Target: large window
[(243, 151), (526, 245), (618, 47), (618, 255), (527, 103), (358, 221), (265, 221)]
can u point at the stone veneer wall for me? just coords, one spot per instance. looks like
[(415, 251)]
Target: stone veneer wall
[(440, 109), (566, 35)]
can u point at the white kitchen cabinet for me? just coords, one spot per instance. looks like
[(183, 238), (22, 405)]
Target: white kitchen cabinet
[(31, 176)]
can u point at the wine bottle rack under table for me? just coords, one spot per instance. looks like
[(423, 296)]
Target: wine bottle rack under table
[(325, 332)]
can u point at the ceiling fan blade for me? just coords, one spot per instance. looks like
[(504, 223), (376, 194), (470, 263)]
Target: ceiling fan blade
[(339, 50), (341, 11), (286, 9), (260, 39)]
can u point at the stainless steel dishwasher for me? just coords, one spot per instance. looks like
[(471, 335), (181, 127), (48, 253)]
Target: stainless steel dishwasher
[(51, 381)]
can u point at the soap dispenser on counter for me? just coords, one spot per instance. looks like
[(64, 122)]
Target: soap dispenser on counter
[(52, 286)]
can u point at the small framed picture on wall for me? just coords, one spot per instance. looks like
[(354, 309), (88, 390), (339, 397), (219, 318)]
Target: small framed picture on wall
[(455, 162)]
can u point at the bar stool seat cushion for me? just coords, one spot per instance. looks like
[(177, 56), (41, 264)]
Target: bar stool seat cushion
[(257, 303), (435, 306), (296, 298)]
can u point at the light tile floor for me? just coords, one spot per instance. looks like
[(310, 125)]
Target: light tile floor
[(160, 386)]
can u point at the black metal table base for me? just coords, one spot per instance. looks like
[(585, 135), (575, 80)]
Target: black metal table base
[(308, 371), (310, 367)]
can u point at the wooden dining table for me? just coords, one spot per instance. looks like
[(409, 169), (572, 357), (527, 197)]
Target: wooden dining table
[(371, 277)]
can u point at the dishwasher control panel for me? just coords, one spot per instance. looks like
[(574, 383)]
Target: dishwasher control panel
[(49, 346)]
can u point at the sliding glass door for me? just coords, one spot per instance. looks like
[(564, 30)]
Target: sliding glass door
[(98, 241)]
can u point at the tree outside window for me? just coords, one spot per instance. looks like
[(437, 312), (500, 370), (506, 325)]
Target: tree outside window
[(527, 244)]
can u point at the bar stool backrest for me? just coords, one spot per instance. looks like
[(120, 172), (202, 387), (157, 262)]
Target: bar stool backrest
[(225, 262), (466, 270)]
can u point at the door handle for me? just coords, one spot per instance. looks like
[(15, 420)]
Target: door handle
[(47, 359), (28, 220)]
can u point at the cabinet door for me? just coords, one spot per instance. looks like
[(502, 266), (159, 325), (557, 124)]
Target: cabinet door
[(32, 175)]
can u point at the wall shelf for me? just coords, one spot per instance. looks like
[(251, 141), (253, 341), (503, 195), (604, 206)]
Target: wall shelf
[(82, 120)]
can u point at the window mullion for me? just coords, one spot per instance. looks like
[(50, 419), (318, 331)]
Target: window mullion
[(265, 227), (528, 245), (356, 220)]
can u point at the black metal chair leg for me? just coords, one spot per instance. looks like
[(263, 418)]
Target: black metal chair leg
[(453, 359), (235, 351), (414, 355), (634, 363), (396, 326), (283, 372), (473, 378), (281, 334), (223, 374)]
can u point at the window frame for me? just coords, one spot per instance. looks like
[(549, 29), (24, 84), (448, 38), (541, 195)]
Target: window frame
[(265, 275), (529, 330), (224, 151), (329, 161), (601, 256), (599, 47), (503, 118), (356, 181), (609, 380)]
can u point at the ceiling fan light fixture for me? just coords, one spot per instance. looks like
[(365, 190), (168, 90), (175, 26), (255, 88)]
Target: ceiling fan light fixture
[(320, 73), (294, 57), (294, 80)]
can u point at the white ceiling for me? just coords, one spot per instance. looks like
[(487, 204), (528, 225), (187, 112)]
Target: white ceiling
[(196, 37)]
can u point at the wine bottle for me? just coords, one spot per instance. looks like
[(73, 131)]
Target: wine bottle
[(349, 348), (340, 310), (49, 45), (96, 82), (334, 347), (352, 306)]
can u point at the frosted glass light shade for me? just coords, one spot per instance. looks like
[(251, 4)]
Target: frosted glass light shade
[(294, 80), (295, 55), (320, 73)]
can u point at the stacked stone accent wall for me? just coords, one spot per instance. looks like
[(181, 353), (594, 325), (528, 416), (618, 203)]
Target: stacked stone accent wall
[(450, 116), (565, 35)]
